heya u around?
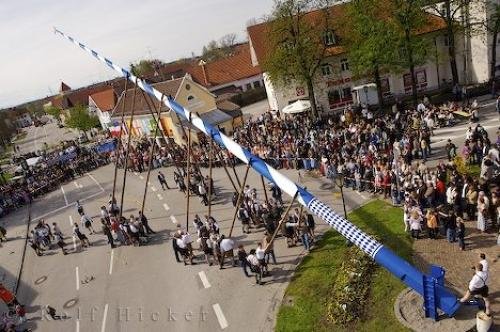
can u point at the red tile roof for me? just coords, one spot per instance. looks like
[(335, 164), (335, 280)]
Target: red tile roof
[(223, 71), (105, 100), (169, 88), (64, 87), (80, 96), (259, 33)]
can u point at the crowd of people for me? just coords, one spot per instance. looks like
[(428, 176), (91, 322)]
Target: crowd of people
[(50, 171)]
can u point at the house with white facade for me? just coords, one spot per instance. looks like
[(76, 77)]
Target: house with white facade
[(334, 81)]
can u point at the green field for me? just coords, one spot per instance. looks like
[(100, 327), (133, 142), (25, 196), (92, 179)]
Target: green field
[(304, 308)]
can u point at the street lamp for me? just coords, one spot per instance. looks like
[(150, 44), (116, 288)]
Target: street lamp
[(339, 181)]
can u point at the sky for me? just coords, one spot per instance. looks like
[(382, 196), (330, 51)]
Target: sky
[(33, 60)]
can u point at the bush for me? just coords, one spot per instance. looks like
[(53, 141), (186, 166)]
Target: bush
[(351, 288)]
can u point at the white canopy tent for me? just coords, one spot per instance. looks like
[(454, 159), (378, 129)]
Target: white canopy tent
[(297, 107)]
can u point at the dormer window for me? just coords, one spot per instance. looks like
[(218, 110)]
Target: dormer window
[(326, 69), (329, 38)]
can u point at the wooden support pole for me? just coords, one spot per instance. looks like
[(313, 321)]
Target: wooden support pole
[(188, 184), (240, 197), (226, 170), (265, 191), (235, 174), (210, 162), (153, 149), (119, 145), (283, 218), (129, 139)]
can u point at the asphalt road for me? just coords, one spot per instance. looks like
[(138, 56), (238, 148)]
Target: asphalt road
[(144, 288)]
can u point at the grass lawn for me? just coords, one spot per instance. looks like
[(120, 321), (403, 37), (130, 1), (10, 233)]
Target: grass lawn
[(312, 282)]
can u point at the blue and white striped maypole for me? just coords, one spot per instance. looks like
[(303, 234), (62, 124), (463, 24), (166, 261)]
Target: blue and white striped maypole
[(403, 270)]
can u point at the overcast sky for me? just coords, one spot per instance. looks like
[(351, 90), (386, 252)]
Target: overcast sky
[(33, 60)]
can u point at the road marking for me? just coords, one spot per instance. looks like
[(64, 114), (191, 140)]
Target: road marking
[(71, 221), (111, 261), (96, 182), (74, 243), (174, 220), (204, 279), (360, 194), (64, 207), (103, 326), (153, 188), (141, 177), (77, 325), (77, 185), (64, 195), (77, 279), (160, 197), (220, 316), (135, 173), (166, 207)]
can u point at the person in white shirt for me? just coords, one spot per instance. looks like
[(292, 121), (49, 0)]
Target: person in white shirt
[(226, 250), (86, 221), (484, 262), (478, 286), (254, 266), (261, 256)]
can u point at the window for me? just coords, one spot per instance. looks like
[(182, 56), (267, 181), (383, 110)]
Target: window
[(334, 97), (190, 98), (344, 65), (256, 84), (329, 38), (248, 86), (326, 69), (346, 93)]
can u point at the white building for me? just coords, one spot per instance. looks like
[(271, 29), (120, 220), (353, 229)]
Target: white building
[(334, 80)]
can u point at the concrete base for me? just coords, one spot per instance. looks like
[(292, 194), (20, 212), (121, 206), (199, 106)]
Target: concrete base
[(409, 310)]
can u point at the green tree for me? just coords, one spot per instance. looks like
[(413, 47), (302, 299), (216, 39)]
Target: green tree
[(410, 19), (54, 111), (80, 119), (451, 12), (369, 38), (297, 44), (219, 49), (145, 67)]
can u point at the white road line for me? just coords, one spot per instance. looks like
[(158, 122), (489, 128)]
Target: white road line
[(111, 261), (204, 279), (361, 195), (160, 197), (74, 243), (141, 177), (96, 182), (103, 326), (166, 207), (71, 221), (77, 279), (76, 184), (174, 220), (153, 188), (220, 316), (64, 207), (135, 173), (77, 325), (64, 195)]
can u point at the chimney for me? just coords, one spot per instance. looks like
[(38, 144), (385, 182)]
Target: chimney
[(202, 64)]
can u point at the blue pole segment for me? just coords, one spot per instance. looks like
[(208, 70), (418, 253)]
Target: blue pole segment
[(382, 255)]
